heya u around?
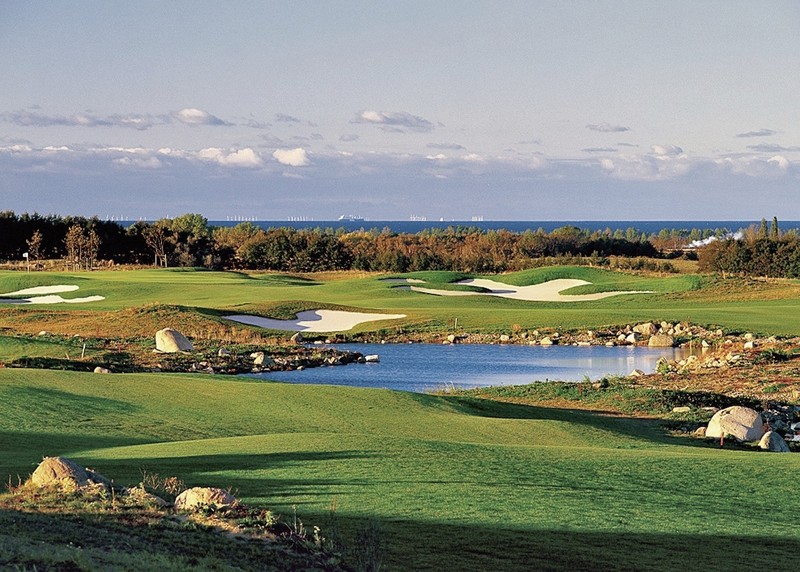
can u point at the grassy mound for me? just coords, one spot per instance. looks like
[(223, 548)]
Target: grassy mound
[(451, 482)]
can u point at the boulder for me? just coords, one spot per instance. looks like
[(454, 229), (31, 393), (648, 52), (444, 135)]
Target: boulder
[(259, 358), (546, 342), (646, 329), (505, 338), (632, 338), (743, 423), (636, 373), (61, 471), (172, 341), (661, 341), (372, 358), (772, 441), (99, 369), (201, 497)]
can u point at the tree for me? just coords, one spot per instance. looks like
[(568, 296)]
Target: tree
[(73, 242), (155, 237), (774, 231), (35, 246)]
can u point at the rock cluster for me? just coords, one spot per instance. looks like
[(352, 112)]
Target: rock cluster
[(62, 472)]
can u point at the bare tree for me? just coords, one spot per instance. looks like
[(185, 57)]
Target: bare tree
[(74, 241), (35, 246)]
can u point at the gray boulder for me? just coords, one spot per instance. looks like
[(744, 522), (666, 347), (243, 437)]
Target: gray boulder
[(742, 423), (772, 441), (172, 341)]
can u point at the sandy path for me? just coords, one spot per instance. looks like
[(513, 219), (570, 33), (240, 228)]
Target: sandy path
[(315, 321), (545, 292)]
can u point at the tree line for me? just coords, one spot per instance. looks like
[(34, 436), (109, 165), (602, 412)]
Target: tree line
[(763, 250), (189, 240)]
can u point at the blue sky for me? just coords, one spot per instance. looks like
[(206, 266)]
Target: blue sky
[(628, 110)]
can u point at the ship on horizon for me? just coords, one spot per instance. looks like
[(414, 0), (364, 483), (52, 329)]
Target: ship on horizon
[(351, 218)]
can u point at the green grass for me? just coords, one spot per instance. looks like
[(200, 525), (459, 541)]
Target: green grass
[(675, 298), (454, 482)]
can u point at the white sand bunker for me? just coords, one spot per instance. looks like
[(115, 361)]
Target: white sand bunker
[(50, 296), (545, 292), (315, 321)]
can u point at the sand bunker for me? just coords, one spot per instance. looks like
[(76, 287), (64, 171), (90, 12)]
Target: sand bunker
[(315, 321), (545, 292), (49, 298)]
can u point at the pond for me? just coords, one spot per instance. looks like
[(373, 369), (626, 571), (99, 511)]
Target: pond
[(428, 367)]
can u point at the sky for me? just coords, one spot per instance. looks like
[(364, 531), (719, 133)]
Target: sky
[(506, 110)]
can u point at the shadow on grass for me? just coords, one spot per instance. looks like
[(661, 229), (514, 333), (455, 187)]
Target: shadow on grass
[(45, 539), (632, 427), (23, 451), (437, 546)]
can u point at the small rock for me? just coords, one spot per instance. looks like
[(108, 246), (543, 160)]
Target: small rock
[(632, 338), (505, 338), (749, 345), (700, 432), (610, 344), (223, 352), (681, 409), (372, 358), (99, 369), (297, 338), (43, 333), (141, 496), (451, 338), (546, 342), (636, 373)]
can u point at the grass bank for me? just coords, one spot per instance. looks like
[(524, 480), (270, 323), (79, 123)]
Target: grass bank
[(452, 482)]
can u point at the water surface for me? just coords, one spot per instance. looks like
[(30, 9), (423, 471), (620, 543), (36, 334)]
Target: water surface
[(427, 367)]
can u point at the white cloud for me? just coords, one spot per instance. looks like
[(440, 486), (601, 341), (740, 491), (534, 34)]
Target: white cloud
[(245, 157), (394, 121), (666, 150), (779, 160), (139, 162), (292, 157), (194, 116)]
